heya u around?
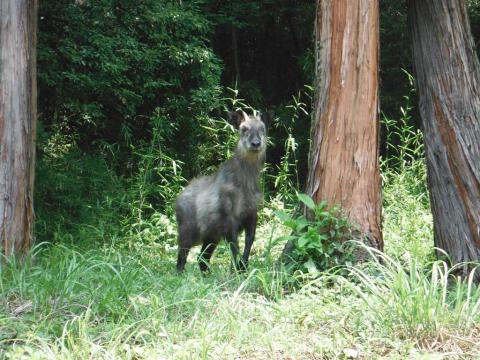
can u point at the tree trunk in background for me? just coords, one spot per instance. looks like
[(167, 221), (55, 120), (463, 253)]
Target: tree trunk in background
[(343, 163), (18, 111), (447, 74)]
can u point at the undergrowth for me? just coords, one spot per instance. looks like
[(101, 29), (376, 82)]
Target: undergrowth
[(418, 301), (104, 286), (407, 219), (64, 302)]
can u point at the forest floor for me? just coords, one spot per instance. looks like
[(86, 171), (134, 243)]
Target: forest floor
[(113, 302)]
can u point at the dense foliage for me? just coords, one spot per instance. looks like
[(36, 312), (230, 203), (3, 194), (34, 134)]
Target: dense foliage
[(132, 96), (110, 69)]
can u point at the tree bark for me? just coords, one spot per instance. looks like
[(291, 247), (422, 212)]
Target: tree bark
[(18, 111), (447, 75), (343, 159)]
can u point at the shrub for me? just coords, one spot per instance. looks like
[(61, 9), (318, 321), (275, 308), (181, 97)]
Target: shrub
[(318, 244)]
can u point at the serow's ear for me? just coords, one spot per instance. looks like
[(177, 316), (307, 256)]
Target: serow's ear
[(236, 118), (267, 118)]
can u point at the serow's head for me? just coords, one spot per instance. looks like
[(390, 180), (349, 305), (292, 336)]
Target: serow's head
[(252, 129)]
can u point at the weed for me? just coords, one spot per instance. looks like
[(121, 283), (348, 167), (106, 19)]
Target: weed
[(319, 244)]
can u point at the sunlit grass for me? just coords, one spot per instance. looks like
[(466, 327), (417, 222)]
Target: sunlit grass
[(407, 219), (417, 301), (127, 302)]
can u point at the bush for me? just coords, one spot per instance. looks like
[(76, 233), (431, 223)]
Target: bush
[(319, 244), (76, 194), (115, 72)]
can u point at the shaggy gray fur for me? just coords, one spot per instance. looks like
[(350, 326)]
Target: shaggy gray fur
[(224, 204)]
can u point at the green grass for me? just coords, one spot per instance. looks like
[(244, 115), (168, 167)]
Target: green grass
[(127, 302), (416, 301), (407, 219)]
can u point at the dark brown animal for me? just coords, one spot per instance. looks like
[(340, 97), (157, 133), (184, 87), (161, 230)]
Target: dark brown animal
[(224, 204)]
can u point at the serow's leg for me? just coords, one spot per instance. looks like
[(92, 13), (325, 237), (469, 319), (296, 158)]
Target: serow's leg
[(182, 258), (250, 228), (208, 248), (185, 242), (232, 239)]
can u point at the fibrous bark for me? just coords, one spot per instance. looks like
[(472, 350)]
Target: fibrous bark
[(18, 111), (447, 74), (343, 163)]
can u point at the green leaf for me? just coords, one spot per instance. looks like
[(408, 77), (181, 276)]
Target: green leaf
[(283, 216), (291, 223), (301, 224), (302, 241), (307, 200)]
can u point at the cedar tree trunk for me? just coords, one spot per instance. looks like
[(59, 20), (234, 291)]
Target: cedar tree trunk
[(447, 74), (343, 159), (18, 111)]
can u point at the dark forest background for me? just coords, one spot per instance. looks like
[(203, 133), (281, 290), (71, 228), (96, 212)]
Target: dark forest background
[(132, 97)]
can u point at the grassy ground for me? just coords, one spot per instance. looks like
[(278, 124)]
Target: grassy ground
[(128, 303)]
